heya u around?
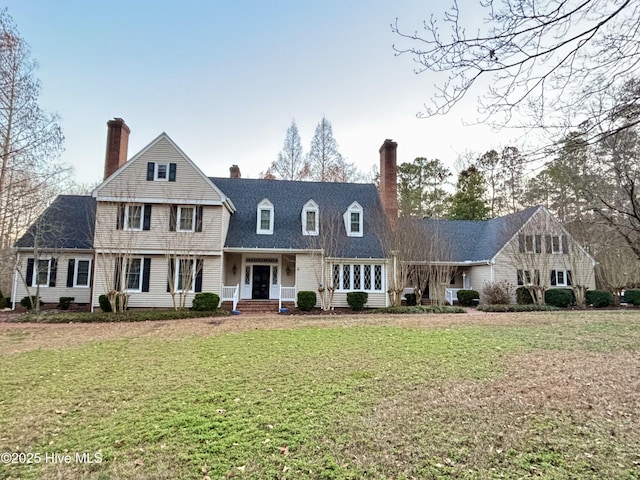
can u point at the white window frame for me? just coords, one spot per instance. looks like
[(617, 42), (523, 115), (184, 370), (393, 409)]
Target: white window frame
[(177, 274), (264, 205), (125, 279), (179, 218), (553, 249), (352, 267), (127, 215), (34, 279), (156, 171), (310, 207), (526, 278), (355, 207), (565, 277), (75, 273)]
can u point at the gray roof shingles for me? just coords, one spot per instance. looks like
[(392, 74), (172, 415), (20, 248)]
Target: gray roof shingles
[(478, 240), (68, 223), (288, 199)]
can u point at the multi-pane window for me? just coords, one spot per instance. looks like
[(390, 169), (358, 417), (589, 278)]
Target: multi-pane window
[(133, 274), (265, 218), (355, 222), (41, 276), (247, 276), (358, 277), (274, 275), (556, 244), (311, 221), (560, 278), (82, 269), (186, 219), (133, 217), (185, 274), (310, 218), (162, 171)]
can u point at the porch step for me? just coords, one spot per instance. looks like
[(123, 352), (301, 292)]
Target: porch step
[(260, 306)]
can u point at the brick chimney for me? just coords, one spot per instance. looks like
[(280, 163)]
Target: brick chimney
[(117, 146), (234, 171), (388, 179)]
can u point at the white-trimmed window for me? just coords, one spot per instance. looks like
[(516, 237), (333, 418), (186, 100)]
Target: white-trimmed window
[(185, 275), (357, 277), (310, 218), (186, 220), (133, 215), (353, 220), (133, 275), (81, 273), (560, 278), (42, 273), (556, 244), (161, 172), (526, 278), (264, 225)]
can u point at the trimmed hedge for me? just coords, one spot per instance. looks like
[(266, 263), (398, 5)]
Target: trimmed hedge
[(26, 303), (632, 297), (306, 300), (419, 309), (105, 306), (523, 296), (466, 297), (411, 299), (65, 303), (356, 300), (517, 308), (559, 297), (205, 302), (599, 298), (129, 316)]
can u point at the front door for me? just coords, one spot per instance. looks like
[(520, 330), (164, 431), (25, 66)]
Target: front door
[(261, 276)]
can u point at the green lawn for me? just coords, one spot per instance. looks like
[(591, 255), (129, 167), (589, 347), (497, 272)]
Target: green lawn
[(557, 398)]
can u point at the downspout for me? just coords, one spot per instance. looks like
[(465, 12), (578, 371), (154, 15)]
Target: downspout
[(15, 284), (491, 265), (93, 278)]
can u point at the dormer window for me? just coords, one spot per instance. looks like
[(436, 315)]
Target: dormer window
[(310, 218), (353, 220), (264, 224)]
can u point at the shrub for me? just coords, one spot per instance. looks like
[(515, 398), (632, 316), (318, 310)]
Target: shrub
[(517, 308), (26, 303), (497, 293), (419, 309), (632, 297), (599, 298), (411, 299), (65, 303), (205, 302), (104, 303), (466, 297), (559, 297), (523, 296), (356, 300), (306, 300), (53, 316)]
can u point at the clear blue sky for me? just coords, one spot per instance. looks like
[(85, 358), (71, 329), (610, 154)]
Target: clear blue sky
[(225, 79)]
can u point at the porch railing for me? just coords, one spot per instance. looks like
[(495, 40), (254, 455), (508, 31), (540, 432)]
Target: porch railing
[(451, 294), (287, 294), (231, 293)]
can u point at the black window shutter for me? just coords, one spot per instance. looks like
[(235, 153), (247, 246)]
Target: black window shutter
[(173, 218), (554, 281), (70, 272), (521, 243), (536, 277), (29, 279), (53, 273), (569, 278), (171, 274), (538, 243), (146, 273), (548, 241), (172, 172), (565, 244), (199, 264), (146, 223), (199, 218), (151, 166), (120, 217), (117, 274)]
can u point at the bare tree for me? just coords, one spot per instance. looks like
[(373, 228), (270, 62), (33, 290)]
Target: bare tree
[(290, 164), (542, 61), (30, 141)]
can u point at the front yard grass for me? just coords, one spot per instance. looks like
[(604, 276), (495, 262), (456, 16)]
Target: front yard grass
[(555, 397)]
